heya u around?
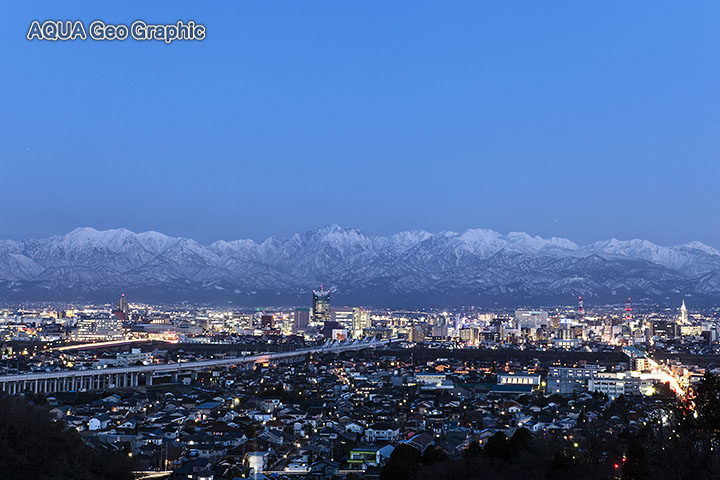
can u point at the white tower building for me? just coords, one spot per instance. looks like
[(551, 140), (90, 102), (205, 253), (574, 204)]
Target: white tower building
[(683, 314)]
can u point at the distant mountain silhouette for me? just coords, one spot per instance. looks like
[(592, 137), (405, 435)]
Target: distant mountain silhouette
[(408, 269)]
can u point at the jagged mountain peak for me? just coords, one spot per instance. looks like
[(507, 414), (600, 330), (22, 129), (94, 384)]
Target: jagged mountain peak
[(702, 247), (415, 267), (540, 243), (116, 239), (84, 235)]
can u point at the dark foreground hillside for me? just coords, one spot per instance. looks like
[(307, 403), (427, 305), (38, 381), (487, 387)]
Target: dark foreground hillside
[(33, 446)]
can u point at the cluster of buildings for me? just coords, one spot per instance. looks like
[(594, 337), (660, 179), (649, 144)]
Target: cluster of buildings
[(559, 328), (332, 416), (182, 324), (574, 330), (338, 323)]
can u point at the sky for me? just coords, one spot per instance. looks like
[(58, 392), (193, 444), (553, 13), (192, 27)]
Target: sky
[(585, 120)]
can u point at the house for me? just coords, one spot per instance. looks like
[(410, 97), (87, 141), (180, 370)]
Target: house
[(566, 424), (421, 441), (455, 442), (485, 435), (111, 400), (539, 427), (523, 420), (369, 456), (273, 436), (192, 468), (98, 422), (256, 461), (128, 424), (206, 409), (382, 432), (326, 468), (298, 464), (76, 422), (510, 406), (354, 427), (328, 433), (260, 416), (62, 411)]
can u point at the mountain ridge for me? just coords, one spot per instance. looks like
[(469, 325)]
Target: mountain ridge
[(406, 269)]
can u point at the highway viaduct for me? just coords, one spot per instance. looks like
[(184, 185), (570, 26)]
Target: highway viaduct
[(129, 377)]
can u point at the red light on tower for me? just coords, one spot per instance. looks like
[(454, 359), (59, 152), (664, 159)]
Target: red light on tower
[(581, 310), (628, 311)]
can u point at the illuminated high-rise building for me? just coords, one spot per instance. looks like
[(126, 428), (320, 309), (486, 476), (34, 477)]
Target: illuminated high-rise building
[(321, 306), (301, 318), (123, 305), (360, 321), (683, 314), (342, 315)]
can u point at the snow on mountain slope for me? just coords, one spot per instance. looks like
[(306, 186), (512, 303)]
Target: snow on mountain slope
[(475, 265), (693, 258)]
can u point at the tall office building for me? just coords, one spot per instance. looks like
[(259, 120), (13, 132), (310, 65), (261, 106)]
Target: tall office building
[(416, 334), (469, 334), (123, 305), (123, 308), (360, 321), (302, 318), (321, 306)]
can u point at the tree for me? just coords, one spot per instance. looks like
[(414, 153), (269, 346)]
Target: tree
[(433, 455), (474, 450), (498, 447), (636, 464), (582, 419), (521, 440), (707, 405), (402, 465), (560, 462), (35, 446), (250, 430), (664, 390)]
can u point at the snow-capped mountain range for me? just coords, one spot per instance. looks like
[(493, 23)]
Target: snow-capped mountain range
[(411, 269)]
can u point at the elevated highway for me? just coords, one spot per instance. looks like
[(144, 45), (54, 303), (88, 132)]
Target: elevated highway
[(131, 376)]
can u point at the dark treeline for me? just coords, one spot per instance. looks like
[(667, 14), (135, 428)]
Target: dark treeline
[(34, 446)]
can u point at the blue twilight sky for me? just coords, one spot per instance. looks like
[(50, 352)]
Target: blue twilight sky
[(580, 119)]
